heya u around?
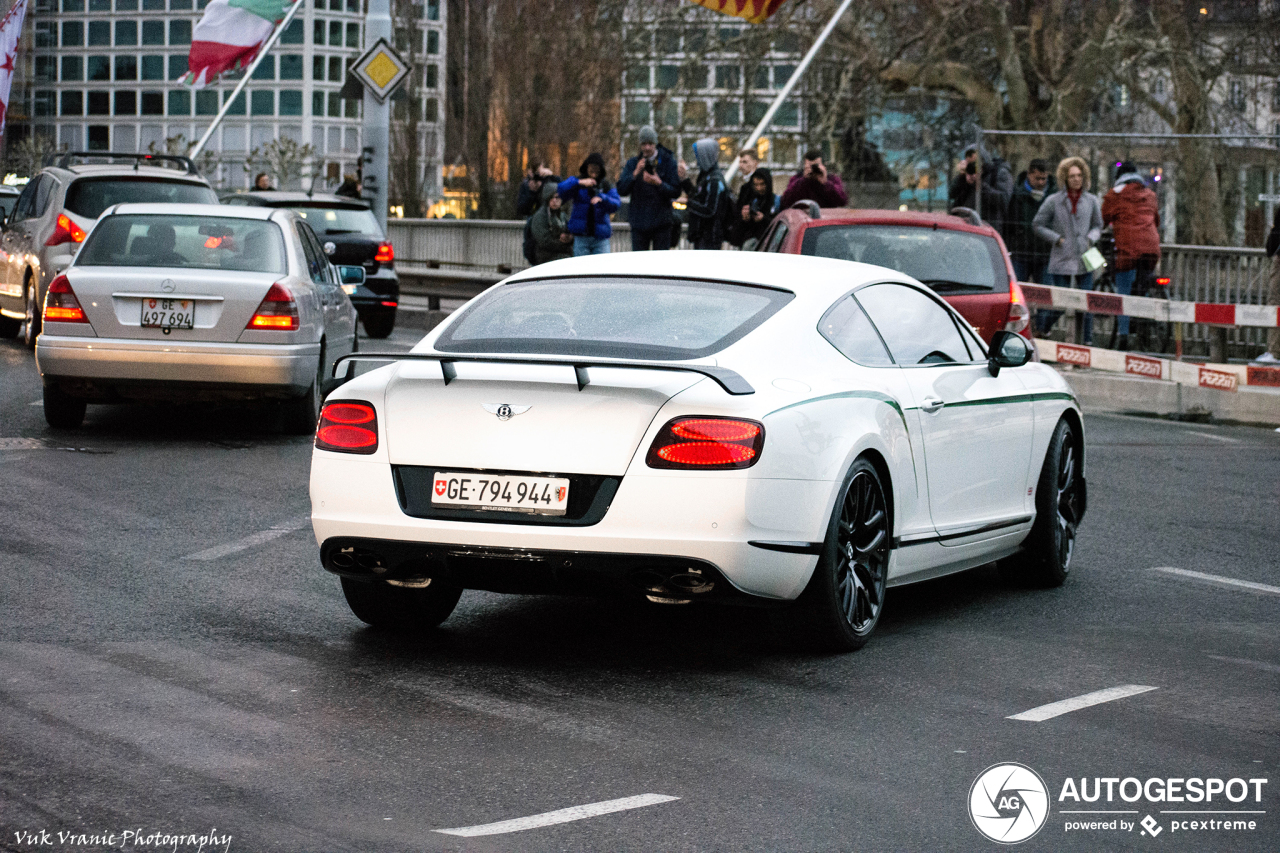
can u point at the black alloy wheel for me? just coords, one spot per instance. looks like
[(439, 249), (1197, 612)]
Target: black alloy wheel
[(841, 606), (1046, 560)]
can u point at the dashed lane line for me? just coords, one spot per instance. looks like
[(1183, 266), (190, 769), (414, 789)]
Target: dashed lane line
[(275, 532), (1255, 664), (1214, 437), (1219, 579), (22, 444), (560, 816), (1066, 706)]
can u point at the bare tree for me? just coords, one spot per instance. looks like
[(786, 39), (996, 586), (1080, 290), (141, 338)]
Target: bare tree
[(283, 158), (26, 157)]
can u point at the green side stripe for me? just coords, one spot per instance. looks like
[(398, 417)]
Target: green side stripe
[(1015, 398)]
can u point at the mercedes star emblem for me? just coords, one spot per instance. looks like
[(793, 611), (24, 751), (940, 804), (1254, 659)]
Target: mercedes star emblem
[(505, 411), (167, 285)]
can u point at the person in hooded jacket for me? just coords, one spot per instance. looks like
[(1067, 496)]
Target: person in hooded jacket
[(707, 200), (652, 180), (997, 185), (550, 227), (594, 197), (1133, 212), (1272, 355), (755, 216)]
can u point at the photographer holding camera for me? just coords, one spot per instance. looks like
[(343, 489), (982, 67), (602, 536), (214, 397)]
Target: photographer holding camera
[(813, 182), (652, 180), (593, 197)]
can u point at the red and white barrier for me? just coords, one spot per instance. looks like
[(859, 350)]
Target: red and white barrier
[(1225, 377), (1164, 310)]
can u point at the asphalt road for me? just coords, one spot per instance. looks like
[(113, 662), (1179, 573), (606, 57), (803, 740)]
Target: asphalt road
[(173, 660)]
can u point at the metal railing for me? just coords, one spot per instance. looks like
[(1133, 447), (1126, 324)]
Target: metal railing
[(1218, 274)]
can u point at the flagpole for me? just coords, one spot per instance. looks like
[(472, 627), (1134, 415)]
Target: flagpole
[(270, 43), (791, 84)]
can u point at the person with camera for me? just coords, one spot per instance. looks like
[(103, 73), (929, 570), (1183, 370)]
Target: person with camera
[(550, 227), (652, 181), (997, 185), (528, 201), (814, 183), (755, 216), (594, 197)]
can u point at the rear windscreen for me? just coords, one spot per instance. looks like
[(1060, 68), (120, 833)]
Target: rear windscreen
[(199, 242), (947, 261), (88, 197), (339, 220), (612, 318)]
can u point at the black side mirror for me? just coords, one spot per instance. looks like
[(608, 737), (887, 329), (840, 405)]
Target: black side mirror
[(1007, 349)]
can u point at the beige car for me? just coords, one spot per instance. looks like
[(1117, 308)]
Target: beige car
[(195, 302)]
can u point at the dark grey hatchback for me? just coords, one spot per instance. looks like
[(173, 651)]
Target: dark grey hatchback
[(350, 235)]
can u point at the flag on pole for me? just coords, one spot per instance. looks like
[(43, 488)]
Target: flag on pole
[(754, 11), (10, 33), (229, 36)]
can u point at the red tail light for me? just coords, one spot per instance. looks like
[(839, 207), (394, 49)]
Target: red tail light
[(707, 443), (60, 303), (348, 427), (1019, 316), (277, 311), (65, 231), (1164, 281), (385, 253)]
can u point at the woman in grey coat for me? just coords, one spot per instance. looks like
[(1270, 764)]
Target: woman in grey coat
[(1071, 220)]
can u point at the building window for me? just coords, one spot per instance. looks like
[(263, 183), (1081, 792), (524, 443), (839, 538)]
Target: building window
[(179, 102), (126, 5), (335, 69), (46, 69), (99, 33), (695, 114), (432, 76), (72, 103), (126, 67), (153, 32), (637, 77), (668, 76), (781, 74), (317, 103), (99, 5), (179, 5), (293, 34), (291, 66), (153, 5), (786, 42), (433, 110), (335, 105), (291, 102), (760, 80), (351, 107), (72, 6), (433, 41), (353, 35), (73, 33), (153, 68), (756, 111), (42, 106), (317, 68), (669, 114), (728, 113), (433, 10), (637, 112), (695, 76), (206, 102), (262, 102), (788, 115), (72, 68), (99, 137), (46, 34), (99, 67), (353, 7), (695, 40), (317, 32), (126, 102), (728, 77), (126, 33), (237, 107), (153, 103), (335, 34), (266, 69), (668, 40), (178, 65), (99, 103), (179, 32)]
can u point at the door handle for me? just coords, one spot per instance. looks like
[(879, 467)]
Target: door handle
[(931, 405)]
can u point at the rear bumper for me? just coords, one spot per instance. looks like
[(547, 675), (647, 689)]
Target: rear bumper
[(96, 366)]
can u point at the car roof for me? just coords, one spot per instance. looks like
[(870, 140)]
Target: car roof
[(795, 273), (5, 189), (107, 170), (221, 210), (280, 198), (910, 218)]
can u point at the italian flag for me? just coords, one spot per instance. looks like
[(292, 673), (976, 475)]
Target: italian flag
[(229, 36)]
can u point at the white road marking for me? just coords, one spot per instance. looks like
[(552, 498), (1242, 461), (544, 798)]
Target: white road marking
[(560, 816), (1064, 811), (22, 444), (1066, 706), (41, 403), (1214, 437), (219, 551), (1201, 576), (1256, 664)]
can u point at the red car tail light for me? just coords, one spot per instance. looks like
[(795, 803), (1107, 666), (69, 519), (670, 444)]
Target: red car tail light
[(385, 254), (60, 303), (1164, 281), (65, 231), (1019, 316), (277, 311), (707, 443), (350, 426)]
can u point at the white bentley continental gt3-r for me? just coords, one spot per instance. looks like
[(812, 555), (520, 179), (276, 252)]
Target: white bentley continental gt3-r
[(696, 426)]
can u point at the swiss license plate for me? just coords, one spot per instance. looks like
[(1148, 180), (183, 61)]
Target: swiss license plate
[(544, 495), (168, 314)]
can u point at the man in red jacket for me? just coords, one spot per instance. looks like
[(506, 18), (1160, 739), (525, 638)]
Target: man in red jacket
[(813, 182), (1133, 212)]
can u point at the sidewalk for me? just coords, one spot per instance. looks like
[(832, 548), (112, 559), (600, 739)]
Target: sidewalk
[(1102, 391)]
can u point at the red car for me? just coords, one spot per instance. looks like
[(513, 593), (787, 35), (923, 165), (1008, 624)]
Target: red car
[(962, 260)]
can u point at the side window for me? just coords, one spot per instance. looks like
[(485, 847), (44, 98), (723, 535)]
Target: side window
[(315, 258), (916, 329), (44, 193), (26, 201), (774, 240), (847, 328)]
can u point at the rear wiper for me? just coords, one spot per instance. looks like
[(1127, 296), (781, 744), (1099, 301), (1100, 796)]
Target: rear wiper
[(942, 284)]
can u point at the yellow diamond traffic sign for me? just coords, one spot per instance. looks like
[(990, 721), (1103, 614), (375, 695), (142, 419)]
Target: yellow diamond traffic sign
[(380, 69)]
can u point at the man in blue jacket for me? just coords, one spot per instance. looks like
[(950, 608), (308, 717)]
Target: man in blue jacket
[(652, 180), (593, 198)]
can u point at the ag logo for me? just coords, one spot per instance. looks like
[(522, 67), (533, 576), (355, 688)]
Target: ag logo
[(1008, 803)]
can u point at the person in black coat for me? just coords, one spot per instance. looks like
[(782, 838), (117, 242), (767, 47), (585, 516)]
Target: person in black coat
[(652, 180), (753, 217)]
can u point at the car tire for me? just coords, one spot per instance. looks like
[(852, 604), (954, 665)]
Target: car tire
[(379, 324), (1045, 560), (61, 410), (841, 606), (299, 415), (31, 322), (400, 608)]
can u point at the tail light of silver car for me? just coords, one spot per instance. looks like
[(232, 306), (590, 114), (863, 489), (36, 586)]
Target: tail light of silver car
[(65, 231), (350, 426), (707, 443), (60, 303), (278, 310), (1019, 316)]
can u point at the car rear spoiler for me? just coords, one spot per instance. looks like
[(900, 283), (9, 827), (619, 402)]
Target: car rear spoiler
[(731, 382), (64, 160)]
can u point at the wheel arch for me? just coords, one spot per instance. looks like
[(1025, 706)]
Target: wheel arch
[(878, 461)]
